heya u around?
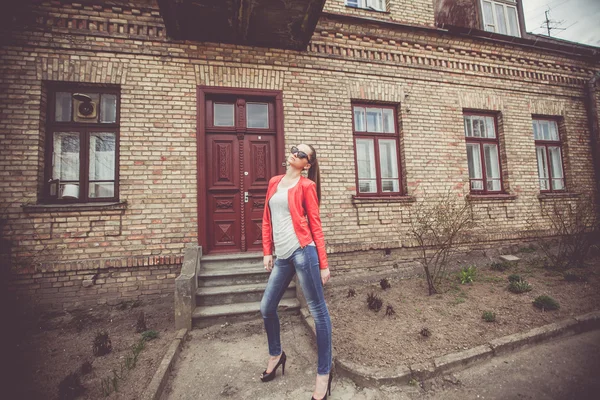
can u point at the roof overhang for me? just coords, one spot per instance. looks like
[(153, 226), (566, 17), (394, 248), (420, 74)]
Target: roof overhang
[(286, 24)]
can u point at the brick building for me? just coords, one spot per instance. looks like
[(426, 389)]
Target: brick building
[(132, 129)]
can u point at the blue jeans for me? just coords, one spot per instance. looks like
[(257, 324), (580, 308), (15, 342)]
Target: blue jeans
[(304, 262)]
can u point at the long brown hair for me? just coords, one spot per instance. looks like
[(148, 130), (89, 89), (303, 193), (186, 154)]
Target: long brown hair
[(313, 171)]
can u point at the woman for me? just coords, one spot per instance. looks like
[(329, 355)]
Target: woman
[(291, 224)]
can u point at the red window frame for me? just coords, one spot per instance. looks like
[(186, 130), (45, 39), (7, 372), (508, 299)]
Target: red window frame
[(376, 137), (546, 144), (481, 142), (84, 131)]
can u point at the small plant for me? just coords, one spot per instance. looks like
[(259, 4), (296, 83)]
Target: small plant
[(140, 325), (467, 275), (389, 311), (489, 316), (574, 276), (546, 303), (500, 266), (351, 292), (385, 283), (514, 278), (102, 344), (374, 302), (149, 335), (518, 287), (425, 332), (413, 382), (70, 387), (111, 383), (459, 300), (85, 368)]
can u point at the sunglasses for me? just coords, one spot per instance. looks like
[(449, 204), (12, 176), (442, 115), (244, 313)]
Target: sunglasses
[(299, 153)]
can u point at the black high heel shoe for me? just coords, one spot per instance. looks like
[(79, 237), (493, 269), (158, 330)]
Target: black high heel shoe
[(328, 387), (270, 376)]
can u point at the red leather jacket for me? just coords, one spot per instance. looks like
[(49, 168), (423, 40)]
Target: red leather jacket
[(304, 209)]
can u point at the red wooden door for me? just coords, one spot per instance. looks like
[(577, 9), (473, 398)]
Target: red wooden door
[(240, 143)]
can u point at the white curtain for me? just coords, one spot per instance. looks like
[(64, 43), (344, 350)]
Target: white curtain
[(492, 166), (542, 167), (102, 164), (367, 174), (388, 163), (558, 181), (475, 170), (66, 156)]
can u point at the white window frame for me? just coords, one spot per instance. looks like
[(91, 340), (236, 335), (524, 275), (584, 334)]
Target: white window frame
[(372, 135), (375, 5), (545, 144), (494, 24), (490, 138)]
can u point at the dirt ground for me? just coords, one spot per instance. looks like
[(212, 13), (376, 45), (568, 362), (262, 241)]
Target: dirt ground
[(45, 349), (453, 318), (52, 345)]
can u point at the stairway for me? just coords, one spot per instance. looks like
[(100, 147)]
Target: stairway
[(230, 286)]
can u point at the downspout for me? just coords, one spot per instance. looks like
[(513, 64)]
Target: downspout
[(592, 111)]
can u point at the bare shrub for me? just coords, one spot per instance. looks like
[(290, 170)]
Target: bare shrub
[(140, 325), (439, 226), (374, 302), (573, 226), (102, 344), (385, 283)]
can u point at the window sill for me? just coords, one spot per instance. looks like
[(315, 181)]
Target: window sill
[(485, 197), (368, 9), (382, 199), (74, 207), (558, 195)]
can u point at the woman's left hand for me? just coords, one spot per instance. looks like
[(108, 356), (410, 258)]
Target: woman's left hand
[(325, 275)]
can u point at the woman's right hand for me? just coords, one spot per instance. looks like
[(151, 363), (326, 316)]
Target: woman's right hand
[(268, 263)]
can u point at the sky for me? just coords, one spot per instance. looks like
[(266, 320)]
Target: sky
[(581, 18)]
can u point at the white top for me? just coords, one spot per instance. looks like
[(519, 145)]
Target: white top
[(284, 236)]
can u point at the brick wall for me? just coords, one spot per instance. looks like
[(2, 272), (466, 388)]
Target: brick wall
[(431, 78), (415, 12), (79, 286)]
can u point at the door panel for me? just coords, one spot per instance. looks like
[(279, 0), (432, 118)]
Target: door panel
[(223, 192), (260, 163)]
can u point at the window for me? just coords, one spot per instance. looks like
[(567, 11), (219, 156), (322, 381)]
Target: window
[(548, 150), (82, 143), (501, 17), (377, 150), (376, 5), (482, 153)]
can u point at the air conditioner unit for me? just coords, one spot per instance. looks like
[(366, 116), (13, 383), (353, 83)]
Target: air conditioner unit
[(85, 108)]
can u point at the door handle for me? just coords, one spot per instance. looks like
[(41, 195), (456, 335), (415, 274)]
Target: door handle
[(245, 197)]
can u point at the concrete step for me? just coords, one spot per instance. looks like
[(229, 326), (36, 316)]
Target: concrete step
[(218, 295), (231, 261), (204, 316), (231, 276)]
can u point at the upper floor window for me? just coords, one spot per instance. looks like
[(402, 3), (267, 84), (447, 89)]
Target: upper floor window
[(376, 5), (82, 143), (483, 153), (377, 150), (500, 16), (548, 149)]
